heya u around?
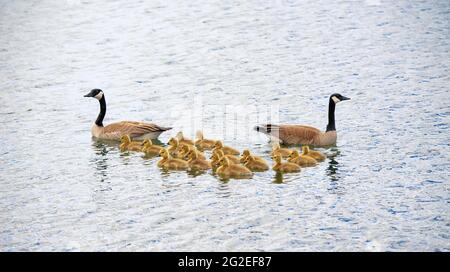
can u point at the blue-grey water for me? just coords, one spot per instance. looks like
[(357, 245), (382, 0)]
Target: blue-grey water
[(384, 186)]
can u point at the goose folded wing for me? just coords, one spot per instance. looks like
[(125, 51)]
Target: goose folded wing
[(297, 134), (134, 129)]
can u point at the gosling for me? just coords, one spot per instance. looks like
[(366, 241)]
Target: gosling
[(196, 163), (228, 170), (301, 160), (218, 154), (284, 167), (180, 137), (277, 150), (150, 149), (247, 153), (202, 143), (255, 165), (127, 144), (185, 149), (318, 156), (167, 162), (226, 149)]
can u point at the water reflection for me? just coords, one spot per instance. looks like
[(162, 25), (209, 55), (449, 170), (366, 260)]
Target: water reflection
[(278, 179)]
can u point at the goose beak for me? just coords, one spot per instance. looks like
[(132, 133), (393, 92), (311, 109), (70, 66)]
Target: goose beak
[(344, 98), (88, 95)]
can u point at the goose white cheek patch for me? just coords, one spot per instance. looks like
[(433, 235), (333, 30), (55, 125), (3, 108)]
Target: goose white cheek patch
[(100, 95), (335, 99)]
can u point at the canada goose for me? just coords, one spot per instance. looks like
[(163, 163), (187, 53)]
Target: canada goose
[(150, 149), (228, 170), (284, 152), (202, 143), (185, 149), (167, 162), (298, 134), (301, 160), (226, 149), (255, 165), (218, 154), (127, 144), (136, 130), (196, 163), (182, 140), (318, 156), (284, 167), (247, 153)]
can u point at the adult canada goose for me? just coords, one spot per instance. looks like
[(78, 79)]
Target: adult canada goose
[(114, 131), (299, 134)]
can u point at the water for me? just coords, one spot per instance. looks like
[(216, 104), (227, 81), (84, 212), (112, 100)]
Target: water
[(385, 186)]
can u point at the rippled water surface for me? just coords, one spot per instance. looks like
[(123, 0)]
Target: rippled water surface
[(385, 186)]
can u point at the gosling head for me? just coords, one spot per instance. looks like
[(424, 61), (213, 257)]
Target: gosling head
[(125, 139), (294, 154), (277, 158), (96, 93), (246, 153), (163, 153), (218, 144), (336, 98), (147, 142), (192, 155), (173, 142)]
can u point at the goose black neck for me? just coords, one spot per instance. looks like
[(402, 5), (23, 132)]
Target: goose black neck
[(331, 123), (101, 115)]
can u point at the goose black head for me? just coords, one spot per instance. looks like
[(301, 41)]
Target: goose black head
[(96, 93), (338, 98)]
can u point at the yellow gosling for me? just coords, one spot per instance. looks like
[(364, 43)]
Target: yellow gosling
[(167, 162), (150, 149), (182, 140), (218, 154), (174, 147), (277, 150), (202, 143), (255, 165), (247, 153), (318, 156), (196, 163), (284, 167), (127, 144), (301, 160), (226, 149), (185, 149), (228, 170)]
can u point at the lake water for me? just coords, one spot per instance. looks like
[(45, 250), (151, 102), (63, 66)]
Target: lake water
[(224, 66)]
